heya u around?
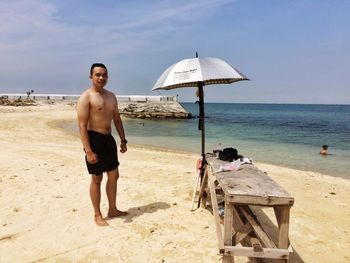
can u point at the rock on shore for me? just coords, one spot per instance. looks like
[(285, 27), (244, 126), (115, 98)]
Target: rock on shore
[(160, 109)]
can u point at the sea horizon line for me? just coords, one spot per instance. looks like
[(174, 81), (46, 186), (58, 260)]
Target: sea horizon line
[(64, 96)]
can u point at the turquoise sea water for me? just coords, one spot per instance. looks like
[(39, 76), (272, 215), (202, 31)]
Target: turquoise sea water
[(282, 134)]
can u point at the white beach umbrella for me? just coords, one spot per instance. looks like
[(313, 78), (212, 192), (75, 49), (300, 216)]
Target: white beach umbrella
[(198, 72), (195, 71)]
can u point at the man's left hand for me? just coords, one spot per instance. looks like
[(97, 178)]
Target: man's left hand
[(123, 148)]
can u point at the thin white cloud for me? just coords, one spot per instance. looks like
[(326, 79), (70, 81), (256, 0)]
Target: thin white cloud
[(25, 18), (175, 11), (31, 24), (36, 33)]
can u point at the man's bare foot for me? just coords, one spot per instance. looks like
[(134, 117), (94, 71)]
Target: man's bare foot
[(117, 213), (99, 220)]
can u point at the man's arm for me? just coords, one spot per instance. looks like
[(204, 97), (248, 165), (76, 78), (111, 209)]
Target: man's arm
[(119, 127), (83, 109)]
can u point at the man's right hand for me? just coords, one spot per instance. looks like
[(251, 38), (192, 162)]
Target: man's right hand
[(91, 157)]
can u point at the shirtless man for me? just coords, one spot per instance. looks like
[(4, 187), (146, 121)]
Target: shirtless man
[(96, 109)]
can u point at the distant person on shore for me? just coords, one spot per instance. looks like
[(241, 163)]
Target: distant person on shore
[(324, 150), (96, 109)]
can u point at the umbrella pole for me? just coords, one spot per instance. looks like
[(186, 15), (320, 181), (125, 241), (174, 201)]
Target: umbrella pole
[(201, 116), (202, 128)]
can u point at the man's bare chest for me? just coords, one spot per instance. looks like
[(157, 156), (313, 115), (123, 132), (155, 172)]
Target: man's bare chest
[(102, 105)]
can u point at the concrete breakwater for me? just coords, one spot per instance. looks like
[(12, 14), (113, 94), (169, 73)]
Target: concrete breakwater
[(133, 106)]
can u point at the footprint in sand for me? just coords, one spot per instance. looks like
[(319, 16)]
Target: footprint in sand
[(8, 237)]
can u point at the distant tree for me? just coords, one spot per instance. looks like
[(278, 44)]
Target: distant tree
[(29, 93)]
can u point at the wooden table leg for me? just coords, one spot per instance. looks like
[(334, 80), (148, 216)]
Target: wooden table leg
[(282, 215), (214, 205), (228, 217), (202, 194)]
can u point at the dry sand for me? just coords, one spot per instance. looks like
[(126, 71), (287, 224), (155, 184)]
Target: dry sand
[(46, 215)]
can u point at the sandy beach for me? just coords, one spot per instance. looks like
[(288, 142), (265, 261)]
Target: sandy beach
[(46, 214)]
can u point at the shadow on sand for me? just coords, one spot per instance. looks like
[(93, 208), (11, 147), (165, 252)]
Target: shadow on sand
[(140, 210)]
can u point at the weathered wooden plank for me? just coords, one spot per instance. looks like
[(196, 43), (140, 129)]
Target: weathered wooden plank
[(259, 231), (259, 200), (282, 216), (204, 185), (250, 181), (275, 253), (228, 228), (241, 233), (195, 191), (215, 207)]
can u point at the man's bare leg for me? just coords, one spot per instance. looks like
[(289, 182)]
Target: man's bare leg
[(111, 190), (95, 195)]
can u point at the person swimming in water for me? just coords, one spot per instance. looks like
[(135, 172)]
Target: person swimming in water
[(324, 150)]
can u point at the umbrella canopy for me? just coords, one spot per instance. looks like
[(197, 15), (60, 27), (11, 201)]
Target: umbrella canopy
[(198, 71)]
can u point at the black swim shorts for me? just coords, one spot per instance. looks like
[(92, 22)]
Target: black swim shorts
[(107, 153)]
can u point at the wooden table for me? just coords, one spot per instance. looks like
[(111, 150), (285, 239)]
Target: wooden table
[(242, 233)]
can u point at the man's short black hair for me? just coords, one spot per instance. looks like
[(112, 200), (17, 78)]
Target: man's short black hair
[(97, 65)]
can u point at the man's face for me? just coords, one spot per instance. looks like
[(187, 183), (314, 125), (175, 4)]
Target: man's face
[(99, 77)]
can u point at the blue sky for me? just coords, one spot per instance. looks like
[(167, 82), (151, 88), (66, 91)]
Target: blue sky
[(293, 51)]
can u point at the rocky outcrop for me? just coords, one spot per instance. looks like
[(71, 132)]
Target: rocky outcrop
[(131, 108), (18, 102), (153, 110)]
